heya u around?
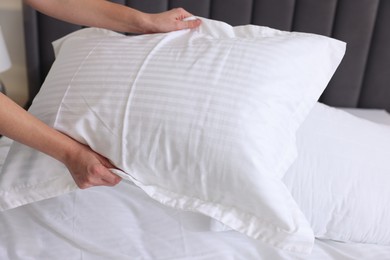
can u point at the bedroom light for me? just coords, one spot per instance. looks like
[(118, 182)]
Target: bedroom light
[(5, 62)]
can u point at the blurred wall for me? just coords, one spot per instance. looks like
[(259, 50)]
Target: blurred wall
[(11, 21)]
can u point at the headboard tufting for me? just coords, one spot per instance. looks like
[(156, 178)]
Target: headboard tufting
[(362, 80)]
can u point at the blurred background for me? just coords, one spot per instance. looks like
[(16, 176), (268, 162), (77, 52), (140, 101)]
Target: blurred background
[(15, 78)]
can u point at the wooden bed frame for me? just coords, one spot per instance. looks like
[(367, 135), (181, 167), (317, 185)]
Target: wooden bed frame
[(362, 80)]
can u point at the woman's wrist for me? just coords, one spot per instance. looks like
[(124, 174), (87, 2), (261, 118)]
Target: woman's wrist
[(70, 151), (135, 21)]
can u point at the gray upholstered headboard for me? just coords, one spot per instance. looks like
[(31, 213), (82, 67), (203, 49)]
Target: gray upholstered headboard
[(362, 80)]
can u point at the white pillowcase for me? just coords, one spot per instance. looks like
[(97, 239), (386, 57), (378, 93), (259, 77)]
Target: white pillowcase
[(341, 177), (201, 120)]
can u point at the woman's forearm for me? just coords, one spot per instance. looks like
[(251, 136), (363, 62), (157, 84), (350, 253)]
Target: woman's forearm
[(86, 167), (22, 127), (117, 17), (95, 13)]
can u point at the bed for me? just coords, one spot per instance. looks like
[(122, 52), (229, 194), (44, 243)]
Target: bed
[(336, 189)]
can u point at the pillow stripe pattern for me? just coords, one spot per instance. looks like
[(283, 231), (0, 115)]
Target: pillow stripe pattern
[(189, 107), (202, 120)]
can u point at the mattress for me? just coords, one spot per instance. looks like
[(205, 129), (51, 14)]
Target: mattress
[(124, 223)]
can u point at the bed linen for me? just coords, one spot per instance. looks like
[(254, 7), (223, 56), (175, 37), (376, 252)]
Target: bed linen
[(124, 223), (181, 143), (341, 176), (374, 115)]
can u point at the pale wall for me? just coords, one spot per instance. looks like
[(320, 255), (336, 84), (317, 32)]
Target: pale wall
[(11, 21)]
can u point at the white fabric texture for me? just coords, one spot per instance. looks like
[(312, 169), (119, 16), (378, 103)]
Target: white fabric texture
[(379, 116), (124, 223), (5, 144), (341, 177), (201, 120)]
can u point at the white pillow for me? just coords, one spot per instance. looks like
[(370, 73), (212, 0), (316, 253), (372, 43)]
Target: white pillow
[(5, 144), (201, 120), (341, 178)]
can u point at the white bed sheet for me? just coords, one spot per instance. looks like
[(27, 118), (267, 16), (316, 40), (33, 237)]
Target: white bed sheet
[(375, 115), (124, 223)]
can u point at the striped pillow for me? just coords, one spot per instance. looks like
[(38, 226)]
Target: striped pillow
[(202, 120)]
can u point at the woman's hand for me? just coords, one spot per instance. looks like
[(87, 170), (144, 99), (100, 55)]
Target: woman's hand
[(89, 168), (171, 20)]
